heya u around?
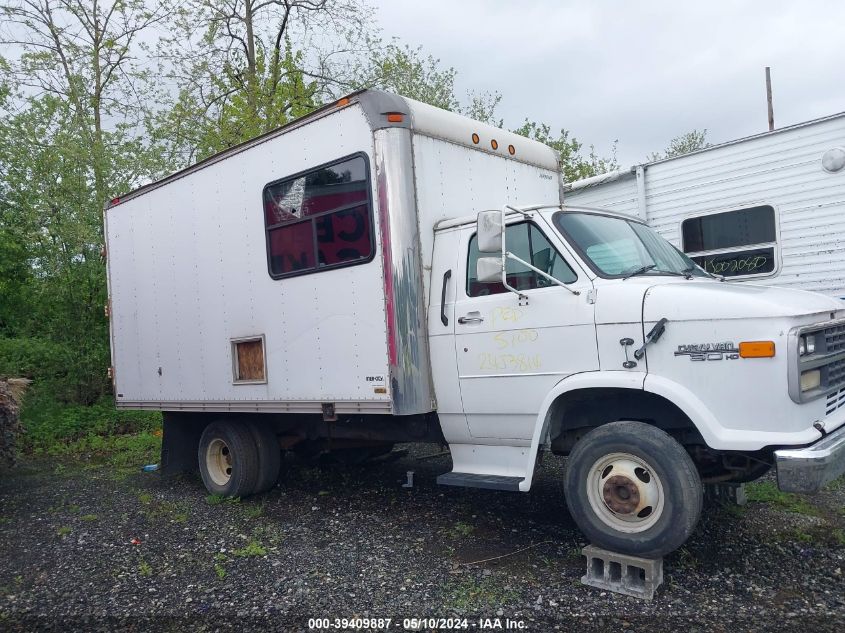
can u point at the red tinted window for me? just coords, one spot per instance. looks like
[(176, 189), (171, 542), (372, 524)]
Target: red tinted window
[(320, 219)]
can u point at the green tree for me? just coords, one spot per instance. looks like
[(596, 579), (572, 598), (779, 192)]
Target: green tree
[(72, 137), (242, 68), (574, 165), (683, 144)]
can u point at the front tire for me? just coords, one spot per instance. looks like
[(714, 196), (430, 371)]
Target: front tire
[(631, 488), (228, 459)]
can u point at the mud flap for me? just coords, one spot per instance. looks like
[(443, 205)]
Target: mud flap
[(179, 442)]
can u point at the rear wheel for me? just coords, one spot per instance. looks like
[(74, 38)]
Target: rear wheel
[(269, 456), (631, 488), (228, 459)]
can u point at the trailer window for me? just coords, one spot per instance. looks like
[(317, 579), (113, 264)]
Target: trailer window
[(733, 243), (526, 241), (319, 219)]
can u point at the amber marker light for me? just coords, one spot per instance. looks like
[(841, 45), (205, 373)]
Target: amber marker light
[(342, 102), (494, 144), (757, 349), (475, 139), (394, 117), (511, 150)]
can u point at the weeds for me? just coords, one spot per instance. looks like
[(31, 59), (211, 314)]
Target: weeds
[(767, 492), (214, 499), (253, 548), (89, 517), (63, 531), (220, 571), (461, 529), (144, 569), (472, 594), (254, 511)]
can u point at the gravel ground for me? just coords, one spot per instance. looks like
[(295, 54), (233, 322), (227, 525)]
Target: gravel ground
[(83, 547)]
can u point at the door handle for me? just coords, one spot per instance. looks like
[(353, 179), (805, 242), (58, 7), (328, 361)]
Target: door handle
[(443, 318), (472, 317)]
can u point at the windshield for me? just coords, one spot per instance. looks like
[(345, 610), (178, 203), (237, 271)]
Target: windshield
[(616, 247)]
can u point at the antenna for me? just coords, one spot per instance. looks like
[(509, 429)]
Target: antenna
[(769, 98)]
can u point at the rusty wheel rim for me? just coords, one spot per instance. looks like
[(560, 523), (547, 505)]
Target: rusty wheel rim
[(625, 492), (218, 462)]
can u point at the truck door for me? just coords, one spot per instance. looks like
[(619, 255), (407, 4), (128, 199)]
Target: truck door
[(512, 350)]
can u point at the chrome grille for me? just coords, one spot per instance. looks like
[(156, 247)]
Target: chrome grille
[(835, 373), (834, 401), (834, 338)]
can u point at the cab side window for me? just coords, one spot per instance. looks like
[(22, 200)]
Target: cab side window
[(526, 241)]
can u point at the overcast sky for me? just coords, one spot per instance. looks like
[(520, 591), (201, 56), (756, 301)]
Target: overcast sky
[(640, 72)]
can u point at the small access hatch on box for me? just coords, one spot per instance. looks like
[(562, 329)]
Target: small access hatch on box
[(248, 362)]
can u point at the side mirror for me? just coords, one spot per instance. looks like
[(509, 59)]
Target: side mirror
[(488, 269), (489, 231)]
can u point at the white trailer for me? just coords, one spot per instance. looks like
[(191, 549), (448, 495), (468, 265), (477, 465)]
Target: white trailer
[(768, 208), (341, 284)]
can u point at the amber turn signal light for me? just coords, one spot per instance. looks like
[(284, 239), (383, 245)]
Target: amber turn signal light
[(394, 117), (757, 349)]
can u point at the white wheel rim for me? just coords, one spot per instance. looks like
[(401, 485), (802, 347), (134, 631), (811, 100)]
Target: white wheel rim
[(625, 492), (218, 462)]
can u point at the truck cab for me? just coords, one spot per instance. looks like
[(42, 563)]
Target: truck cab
[(584, 332)]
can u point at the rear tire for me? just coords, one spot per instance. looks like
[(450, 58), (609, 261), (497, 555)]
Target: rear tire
[(633, 489), (269, 456), (228, 459)]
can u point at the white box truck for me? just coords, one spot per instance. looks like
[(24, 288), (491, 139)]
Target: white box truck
[(342, 284), (768, 208)]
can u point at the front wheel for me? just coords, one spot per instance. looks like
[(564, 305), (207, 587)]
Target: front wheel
[(631, 488)]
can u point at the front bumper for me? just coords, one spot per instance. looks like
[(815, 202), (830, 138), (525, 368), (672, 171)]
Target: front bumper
[(808, 469)]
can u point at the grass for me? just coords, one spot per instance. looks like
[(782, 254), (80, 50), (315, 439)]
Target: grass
[(214, 500), (63, 531), (177, 512), (252, 549), (767, 492), (461, 529), (253, 511), (89, 517), (54, 429), (220, 571), (144, 569), (473, 594), (836, 484)]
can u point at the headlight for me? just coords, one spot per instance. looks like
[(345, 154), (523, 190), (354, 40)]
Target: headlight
[(810, 380), (807, 344)]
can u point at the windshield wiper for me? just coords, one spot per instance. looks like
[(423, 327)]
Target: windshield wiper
[(639, 271)]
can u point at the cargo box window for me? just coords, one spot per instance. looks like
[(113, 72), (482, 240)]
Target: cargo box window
[(320, 219), (734, 243), (527, 242)]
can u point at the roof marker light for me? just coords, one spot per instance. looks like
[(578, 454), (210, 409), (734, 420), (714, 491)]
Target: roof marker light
[(511, 150), (342, 102), (115, 201), (395, 117), (475, 138), (494, 144)]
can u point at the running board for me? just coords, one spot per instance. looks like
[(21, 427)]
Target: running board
[(471, 480)]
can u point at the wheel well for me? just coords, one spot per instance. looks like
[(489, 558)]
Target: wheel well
[(576, 412)]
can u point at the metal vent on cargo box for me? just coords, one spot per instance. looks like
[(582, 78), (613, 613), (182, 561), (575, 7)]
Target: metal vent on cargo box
[(249, 365)]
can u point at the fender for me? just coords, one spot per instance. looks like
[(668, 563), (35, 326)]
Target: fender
[(714, 433), (583, 380)]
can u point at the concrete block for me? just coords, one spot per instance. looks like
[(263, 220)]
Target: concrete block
[(620, 573), (733, 494)]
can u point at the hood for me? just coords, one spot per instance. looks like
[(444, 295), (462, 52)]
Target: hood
[(706, 299)]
